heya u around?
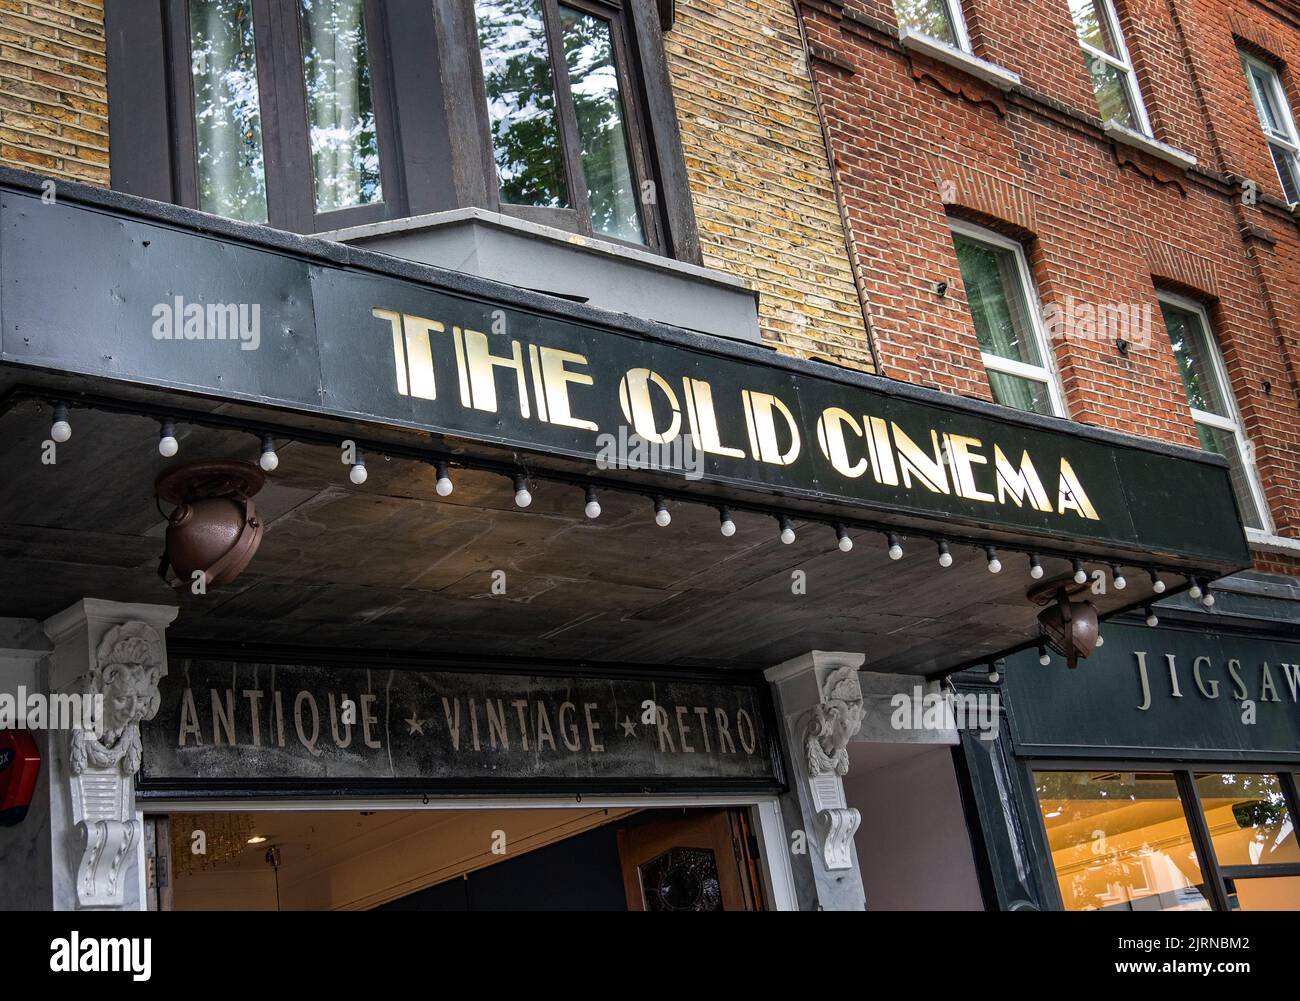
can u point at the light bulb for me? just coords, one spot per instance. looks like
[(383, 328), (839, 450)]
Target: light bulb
[(1043, 658), (60, 429), (444, 486), (1151, 617), (1101, 640), (1035, 567), (357, 474), (522, 497), (1208, 600), (787, 530), (843, 540), (1194, 591), (167, 444), (945, 557), (995, 564), (592, 509), (1119, 579), (1080, 574), (726, 526), (895, 549), (269, 461), (1157, 584), (662, 516), (994, 675)]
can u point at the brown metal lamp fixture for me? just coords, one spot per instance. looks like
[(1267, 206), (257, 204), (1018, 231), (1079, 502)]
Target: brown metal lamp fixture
[(214, 529), (1069, 627)]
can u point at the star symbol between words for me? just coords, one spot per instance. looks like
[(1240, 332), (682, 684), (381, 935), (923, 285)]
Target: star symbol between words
[(629, 728), (416, 726)]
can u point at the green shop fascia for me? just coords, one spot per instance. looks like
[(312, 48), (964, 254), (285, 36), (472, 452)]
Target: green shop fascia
[(1158, 775)]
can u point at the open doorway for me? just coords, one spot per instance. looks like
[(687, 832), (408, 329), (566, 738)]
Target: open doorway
[(576, 858)]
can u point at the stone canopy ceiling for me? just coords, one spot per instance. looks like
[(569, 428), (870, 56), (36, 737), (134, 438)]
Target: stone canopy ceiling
[(389, 566)]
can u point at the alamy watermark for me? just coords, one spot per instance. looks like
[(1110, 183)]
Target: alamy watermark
[(38, 711), (629, 450), (179, 320), (920, 710), (1109, 322)]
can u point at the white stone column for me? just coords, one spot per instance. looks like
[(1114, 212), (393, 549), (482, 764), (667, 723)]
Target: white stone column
[(819, 703), (116, 650)]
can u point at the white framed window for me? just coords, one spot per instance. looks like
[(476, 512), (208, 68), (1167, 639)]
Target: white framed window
[(1275, 119), (1008, 324), (1111, 70), (1205, 382), (938, 19)]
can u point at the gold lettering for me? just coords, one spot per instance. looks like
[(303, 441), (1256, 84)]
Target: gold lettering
[(961, 450), (1071, 496), (759, 409), (931, 471), (704, 419), (830, 438), (557, 378), (482, 363), (1020, 484), (399, 352), (638, 410), (419, 355)]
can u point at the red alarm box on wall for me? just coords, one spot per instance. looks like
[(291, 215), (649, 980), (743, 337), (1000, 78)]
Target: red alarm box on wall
[(20, 761)]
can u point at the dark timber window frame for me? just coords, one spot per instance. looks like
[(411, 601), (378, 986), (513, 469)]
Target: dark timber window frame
[(576, 217), (286, 142), (431, 112)]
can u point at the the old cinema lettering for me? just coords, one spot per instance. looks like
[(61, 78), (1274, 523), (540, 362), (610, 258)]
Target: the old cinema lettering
[(257, 722), (1258, 683), (753, 425)]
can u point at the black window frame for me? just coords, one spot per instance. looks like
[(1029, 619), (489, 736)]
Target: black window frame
[(1216, 882), (430, 106), (282, 93), (576, 217)]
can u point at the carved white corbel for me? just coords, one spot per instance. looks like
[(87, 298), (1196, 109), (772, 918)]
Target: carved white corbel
[(104, 758), (828, 728)]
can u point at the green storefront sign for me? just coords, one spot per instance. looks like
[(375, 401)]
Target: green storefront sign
[(1163, 693)]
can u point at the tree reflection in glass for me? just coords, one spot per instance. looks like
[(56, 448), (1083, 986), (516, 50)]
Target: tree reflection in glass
[(930, 17), (598, 106), (227, 112), (1119, 841), (521, 103), (1248, 819), (340, 109)]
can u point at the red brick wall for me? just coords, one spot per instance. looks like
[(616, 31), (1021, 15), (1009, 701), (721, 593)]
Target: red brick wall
[(915, 142)]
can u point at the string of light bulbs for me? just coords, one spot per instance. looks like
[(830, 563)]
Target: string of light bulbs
[(1197, 585)]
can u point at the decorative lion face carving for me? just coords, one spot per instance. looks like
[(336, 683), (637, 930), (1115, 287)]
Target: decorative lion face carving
[(128, 666), (833, 723)]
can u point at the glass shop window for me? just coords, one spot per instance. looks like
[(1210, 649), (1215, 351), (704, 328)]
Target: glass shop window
[(275, 85), (1120, 841), (1251, 828), (1004, 309), (563, 134)]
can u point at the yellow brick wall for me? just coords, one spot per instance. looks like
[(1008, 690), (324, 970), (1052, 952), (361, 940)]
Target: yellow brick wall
[(759, 173), (54, 88)]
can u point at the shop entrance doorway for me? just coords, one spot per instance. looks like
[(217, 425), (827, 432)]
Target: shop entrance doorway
[(568, 858)]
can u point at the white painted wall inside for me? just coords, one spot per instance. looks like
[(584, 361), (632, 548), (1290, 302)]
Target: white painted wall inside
[(913, 847)]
